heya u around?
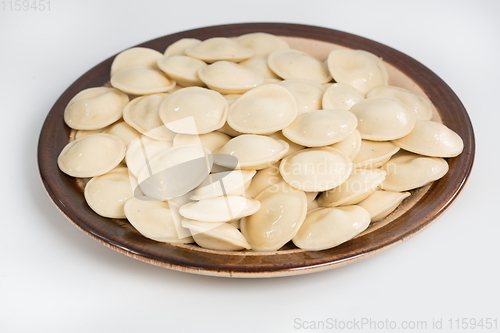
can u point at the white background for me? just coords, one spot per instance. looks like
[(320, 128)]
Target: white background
[(54, 278)]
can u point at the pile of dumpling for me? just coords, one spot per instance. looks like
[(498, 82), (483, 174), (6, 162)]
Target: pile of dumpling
[(247, 143)]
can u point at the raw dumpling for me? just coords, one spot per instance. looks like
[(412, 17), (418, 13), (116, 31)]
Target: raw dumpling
[(263, 110), (381, 203), (321, 127), (283, 210), (175, 171), (154, 220), (408, 171), (383, 118), (142, 113), (262, 43), (92, 155), (95, 108), (341, 96), (230, 78), (107, 194), (217, 49), (216, 236), (252, 151), (325, 228), (136, 56), (316, 169), (308, 95), (358, 68), (431, 138), (182, 69), (294, 64), (420, 104), (207, 108), (360, 184), (141, 80), (220, 209)]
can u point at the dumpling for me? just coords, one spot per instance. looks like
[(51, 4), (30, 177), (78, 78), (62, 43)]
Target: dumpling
[(283, 210), (207, 108), (325, 228), (263, 110), (252, 151), (321, 127), (294, 64), (95, 108), (358, 68), (316, 169), (92, 155)]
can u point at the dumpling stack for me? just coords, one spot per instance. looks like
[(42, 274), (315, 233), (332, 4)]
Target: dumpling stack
[(246, 143)]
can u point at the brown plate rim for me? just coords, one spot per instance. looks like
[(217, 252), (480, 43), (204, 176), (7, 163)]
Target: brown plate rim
[(68, 197)]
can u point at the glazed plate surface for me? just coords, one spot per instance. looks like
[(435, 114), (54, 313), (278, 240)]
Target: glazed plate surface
[(414, 214)]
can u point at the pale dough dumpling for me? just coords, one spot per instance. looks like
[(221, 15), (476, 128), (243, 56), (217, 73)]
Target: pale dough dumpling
[(383, 118), (154, 220), (420, 104), (220, 209), (312, 205), (92, 155), (141, 150), (292, 146), (124, 131), (175, 171), (283, 210), (321, 127), (263, 110), (373, 154), (179, 47), (136, 56), (360, 184), (219, 48), (231, 98), (253, 152), (350, 145), (141, 80), (407, 171), (81, 133), (381, 203), (143, 114), (95, 108), (260, 65), (325, 228), (206, 107), (223, 183), (294, 64), (358, 68), (316, 169), (230, 78), (182, 69), (213, 141), (263, 179), (431, 138), (228, 130), (308, 95), (107, 194), (262, 43), (216, 236), (341, 96)]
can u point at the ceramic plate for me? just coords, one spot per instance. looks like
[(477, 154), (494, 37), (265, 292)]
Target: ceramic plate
[(413, 215)]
